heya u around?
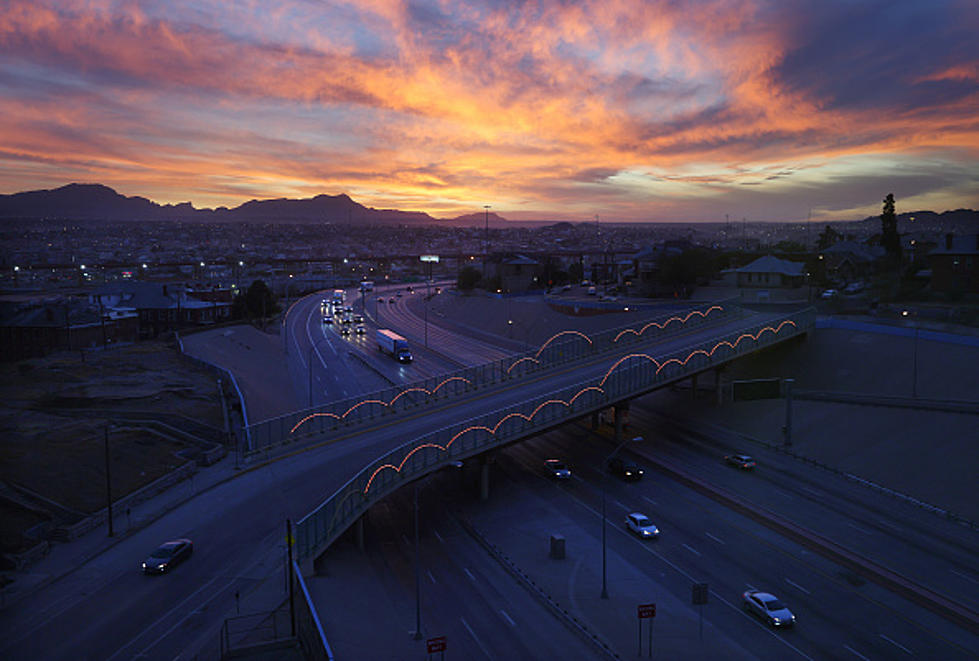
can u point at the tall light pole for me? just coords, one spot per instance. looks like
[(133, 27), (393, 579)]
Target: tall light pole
[(418, 589), (637, 439), (486, 207), (428, 259)]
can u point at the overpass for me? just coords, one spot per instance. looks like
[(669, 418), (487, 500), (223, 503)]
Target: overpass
[(418, 428)]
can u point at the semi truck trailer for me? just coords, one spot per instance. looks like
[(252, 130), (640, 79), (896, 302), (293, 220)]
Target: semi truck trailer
[(394, 345)]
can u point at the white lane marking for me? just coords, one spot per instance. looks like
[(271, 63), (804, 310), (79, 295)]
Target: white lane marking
[(716, 539), (620, 504), (896, 644), (650, 501), (858, 528), (812, 491), (750, 587), (691, 549), (965, 576), (175, 609), (503, 613), (439, 536), (755, 621), (856, 652), (469, 574), (430, 576), (797, 586), (475, 637), (890, 525)]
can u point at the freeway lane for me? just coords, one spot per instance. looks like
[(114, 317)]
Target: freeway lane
[(236, 527), (702, 542), (927, 549)]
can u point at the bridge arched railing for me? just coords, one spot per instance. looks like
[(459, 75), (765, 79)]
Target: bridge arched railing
[(563, 348), (626, 377)]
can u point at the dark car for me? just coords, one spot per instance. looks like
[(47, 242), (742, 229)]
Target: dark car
[(344, 330), (390, 300), (627, 470), (167, 556), (740, 460)]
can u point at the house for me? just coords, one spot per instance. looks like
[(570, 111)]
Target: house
[(517, 272), (161, 307), (955, 265), (847, 261), (771, 272), (36, 328)]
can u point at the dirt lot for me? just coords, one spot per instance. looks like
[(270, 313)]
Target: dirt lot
[(54, 413)]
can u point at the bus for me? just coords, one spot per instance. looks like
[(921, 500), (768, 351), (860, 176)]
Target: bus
[(367, 285)]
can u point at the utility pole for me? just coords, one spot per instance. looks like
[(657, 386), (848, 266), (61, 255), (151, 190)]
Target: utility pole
[(486, 207), (108, 481)]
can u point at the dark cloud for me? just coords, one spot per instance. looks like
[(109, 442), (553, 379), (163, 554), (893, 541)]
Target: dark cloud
[(849, 55)]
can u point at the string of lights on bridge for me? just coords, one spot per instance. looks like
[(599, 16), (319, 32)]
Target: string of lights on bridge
[(659, 367)]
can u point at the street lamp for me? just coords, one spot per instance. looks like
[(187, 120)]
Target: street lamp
[(309, 363), (429, 259), (636, 439)]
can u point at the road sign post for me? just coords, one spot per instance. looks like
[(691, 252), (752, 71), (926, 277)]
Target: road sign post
[(436, 645), (700, 592), (646, 612)]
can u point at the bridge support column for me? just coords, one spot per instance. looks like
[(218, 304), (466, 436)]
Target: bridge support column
[(484, 479), (621, 411), (717, 386), (359, 532), (693, 387), (594, 421)]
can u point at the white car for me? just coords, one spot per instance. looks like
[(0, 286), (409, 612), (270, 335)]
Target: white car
[(641, 525), (767, 607), (558, 469), (829, 294)]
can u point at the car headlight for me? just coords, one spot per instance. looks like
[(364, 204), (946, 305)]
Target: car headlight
[(144, 565)]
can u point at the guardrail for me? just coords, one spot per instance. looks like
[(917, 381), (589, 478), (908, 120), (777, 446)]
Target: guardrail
[(563, 348), (630, 376)]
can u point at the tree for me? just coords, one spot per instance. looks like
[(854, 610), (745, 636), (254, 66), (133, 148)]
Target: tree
[(889, 238), (259, 301), (468, 277), (828, 237)]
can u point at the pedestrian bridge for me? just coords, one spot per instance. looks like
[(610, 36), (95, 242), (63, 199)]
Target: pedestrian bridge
[(478, 409)]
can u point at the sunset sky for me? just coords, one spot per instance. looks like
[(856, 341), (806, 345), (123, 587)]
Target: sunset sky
[(645, 110)]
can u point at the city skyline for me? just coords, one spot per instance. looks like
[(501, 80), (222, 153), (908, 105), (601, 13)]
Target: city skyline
[(629, 111)]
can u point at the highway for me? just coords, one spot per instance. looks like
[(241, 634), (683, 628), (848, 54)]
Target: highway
[(237, 528)]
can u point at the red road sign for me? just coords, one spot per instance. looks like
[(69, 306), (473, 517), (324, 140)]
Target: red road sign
[(436, 644), (647, 610)]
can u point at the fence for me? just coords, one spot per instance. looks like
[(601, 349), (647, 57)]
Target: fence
[(563, 348), (631, 376)]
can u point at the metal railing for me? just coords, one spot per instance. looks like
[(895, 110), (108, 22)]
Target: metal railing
[(629, 377), (564, 348)]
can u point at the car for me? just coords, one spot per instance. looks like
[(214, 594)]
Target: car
[(627, 470), (853, 288), (438, 290), (358, 318), (767, 607), (829, 294), (167, 556), (390, 300), (592, 291), (328, 320), (558, 469), (740, 460), (398, 294), (641, 525), (348, 309), (360, 330), (410, 289), (380, 299), (344, 330)]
